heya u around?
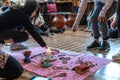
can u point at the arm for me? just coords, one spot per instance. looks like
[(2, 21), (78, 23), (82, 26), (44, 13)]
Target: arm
[(113, 23), (82, 8), (105, 8), (29, 27)]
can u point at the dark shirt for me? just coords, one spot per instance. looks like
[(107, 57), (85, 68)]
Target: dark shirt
[(12, 18)]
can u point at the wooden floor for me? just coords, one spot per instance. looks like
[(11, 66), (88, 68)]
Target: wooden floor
[(78, 41)]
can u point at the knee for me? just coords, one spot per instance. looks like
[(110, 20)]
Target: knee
[(18, 73), (93, 18)]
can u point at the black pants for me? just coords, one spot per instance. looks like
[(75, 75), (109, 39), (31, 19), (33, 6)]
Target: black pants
[(12, 69), (52, 30), (118, 18), (17, 36), (113, 33)]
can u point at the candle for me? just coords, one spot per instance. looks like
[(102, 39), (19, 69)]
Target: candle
[(48, 53)]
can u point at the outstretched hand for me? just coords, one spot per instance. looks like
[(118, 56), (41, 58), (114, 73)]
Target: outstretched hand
[(101, 18), (112, 25), (74, 27)]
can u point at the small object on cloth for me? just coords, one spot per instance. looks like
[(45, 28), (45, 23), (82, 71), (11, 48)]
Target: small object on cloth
[(54, 51), (64, 62), (61, 75), (64, 58), (17, 46), (27, 56), (40, 78), (83, 68), (46, 64), (56, 68)]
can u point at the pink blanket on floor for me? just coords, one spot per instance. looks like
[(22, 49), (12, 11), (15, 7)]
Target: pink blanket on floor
[(58, 65)]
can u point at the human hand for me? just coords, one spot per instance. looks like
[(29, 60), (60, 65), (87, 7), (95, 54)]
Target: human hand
[(112, 25), (48, 51), (74, 27), (101, 18)]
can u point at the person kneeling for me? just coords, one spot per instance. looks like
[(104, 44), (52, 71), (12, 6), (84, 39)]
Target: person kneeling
[(9, 67)]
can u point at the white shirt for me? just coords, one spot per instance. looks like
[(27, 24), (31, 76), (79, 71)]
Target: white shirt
[(39, 19), (83, 5)]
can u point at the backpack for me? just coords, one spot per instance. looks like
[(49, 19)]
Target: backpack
[(51, 7)]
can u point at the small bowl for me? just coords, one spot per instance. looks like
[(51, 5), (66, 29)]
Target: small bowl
[(26, 53)]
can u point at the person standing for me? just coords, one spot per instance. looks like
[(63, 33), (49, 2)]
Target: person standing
[(103, 9)]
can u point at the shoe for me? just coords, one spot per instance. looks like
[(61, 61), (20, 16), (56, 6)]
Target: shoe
[(93, 45), (104, 46), (52, 33), (62, 30), (17, 46), (116, 57)]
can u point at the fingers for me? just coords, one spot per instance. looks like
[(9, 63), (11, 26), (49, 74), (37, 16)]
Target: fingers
[(112, 25), (101, 18), (74, 28)]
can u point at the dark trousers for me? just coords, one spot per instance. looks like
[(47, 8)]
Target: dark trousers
[(12, 69), (118, 18), (17, 36), (113, 33), (52, 30)]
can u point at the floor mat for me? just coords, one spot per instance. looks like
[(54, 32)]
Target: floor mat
[(64, 63)]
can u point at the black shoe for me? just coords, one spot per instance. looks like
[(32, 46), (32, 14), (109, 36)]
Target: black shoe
[(62, 30), (104, 46), (93, 45)]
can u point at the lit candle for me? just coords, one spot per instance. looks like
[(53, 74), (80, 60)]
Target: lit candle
[(48, 53)]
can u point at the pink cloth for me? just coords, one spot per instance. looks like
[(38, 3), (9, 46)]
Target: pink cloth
[(51, 7), (58, 65)]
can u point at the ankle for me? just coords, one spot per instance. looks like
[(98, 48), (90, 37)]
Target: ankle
[(97, 40)]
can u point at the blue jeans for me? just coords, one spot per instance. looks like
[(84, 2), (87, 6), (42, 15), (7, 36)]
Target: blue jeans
[(103, 25)]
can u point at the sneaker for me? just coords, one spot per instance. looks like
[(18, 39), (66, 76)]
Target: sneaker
[(62, 30), (93, 45), (104, 46)]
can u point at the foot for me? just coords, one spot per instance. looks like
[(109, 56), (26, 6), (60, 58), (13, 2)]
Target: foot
[(17, 46), (62, 30), (93, 45), (105, 46)]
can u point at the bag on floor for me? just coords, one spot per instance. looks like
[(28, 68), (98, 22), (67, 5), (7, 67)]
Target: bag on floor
[(51, 7)]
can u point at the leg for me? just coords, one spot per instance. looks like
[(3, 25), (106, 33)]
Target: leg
[(41, 32), (118, 18), (52, 30), (17, 36), (94, 21), (104, 29), (12, 69), (94, 24), (14, 37)]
